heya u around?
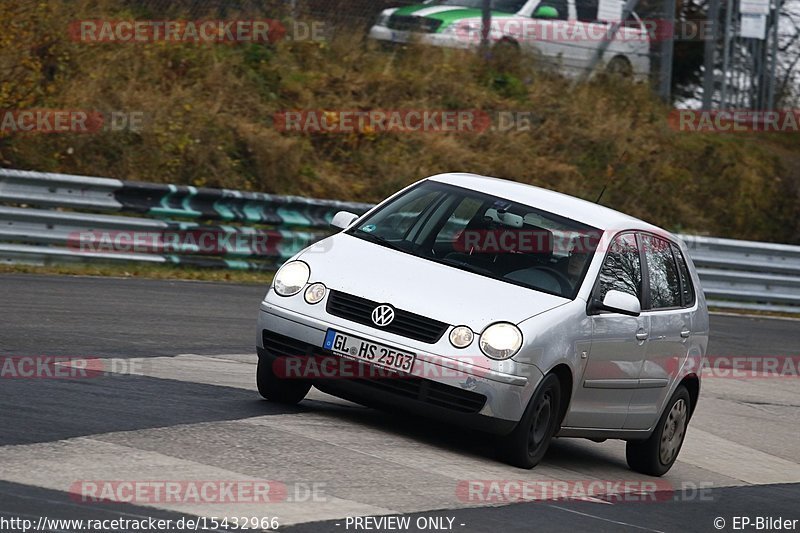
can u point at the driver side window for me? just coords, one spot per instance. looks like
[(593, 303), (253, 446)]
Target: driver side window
[(622, 269), (395, 224)]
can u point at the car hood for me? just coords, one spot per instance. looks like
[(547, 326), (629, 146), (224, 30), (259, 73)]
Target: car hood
[(446, 14), (355, 266)]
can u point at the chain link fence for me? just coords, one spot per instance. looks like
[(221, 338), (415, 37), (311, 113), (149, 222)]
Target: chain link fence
[(742, 55)]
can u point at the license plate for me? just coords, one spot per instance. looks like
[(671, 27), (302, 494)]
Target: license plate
[(347, 345)]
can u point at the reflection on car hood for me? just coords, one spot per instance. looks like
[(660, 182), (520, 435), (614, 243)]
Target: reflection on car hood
[(447, 15), (437, 291)]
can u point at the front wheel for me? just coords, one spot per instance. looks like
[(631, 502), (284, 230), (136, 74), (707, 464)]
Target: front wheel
[(656, 455), (526, 445), (275, 389)]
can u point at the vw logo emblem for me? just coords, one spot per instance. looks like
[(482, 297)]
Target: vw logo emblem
[(383, 315)]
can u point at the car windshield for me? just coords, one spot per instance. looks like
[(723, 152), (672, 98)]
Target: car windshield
[(506, 6), (485, 235)]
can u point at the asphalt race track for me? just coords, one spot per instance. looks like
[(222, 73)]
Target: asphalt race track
[(181, 406)]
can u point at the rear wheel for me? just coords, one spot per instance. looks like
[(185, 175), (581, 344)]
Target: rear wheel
[(527, 444), (275, 389), (656, 455), (619, 67)]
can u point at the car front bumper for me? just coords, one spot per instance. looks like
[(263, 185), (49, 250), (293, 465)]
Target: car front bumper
[(446, 40), (443, 387)]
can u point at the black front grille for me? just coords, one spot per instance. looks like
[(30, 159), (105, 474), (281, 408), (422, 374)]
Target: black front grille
[(413, 23), (407, 324), (431, 392), (283, 346), (420, 389)]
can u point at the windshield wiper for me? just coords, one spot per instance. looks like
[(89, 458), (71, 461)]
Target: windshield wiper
[(377, 239), (467, 266)]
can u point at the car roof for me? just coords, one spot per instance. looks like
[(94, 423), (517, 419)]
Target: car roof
[(558, 203)]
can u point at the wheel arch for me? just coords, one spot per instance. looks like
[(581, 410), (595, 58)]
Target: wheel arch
[(692, 384), (507, 40), (621, 57), (625, 67), (564, 374)]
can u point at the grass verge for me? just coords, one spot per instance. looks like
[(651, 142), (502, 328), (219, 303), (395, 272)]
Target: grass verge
[(136, 270)]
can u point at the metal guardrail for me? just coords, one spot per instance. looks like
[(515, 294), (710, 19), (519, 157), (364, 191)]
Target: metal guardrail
[(747, 274), (160, 201), (244, 230), (183, 225)]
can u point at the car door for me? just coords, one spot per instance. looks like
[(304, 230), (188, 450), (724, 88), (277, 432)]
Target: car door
[(617, 349), (588, 34), (631, 40), (668, 297), (550, 37)]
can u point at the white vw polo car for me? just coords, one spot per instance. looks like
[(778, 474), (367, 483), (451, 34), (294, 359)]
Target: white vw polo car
[(497, 305)]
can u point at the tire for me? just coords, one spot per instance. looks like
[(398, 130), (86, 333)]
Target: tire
[(619, 67), (275, 389), (526, 446), (507, 48), (656, 455)]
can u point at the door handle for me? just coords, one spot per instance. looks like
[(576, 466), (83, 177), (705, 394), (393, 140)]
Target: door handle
[(685, 333), (641, 336)]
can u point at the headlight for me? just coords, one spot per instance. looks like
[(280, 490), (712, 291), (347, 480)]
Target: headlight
[(291, 278), (315, 293), (501, 340), (461, 337)]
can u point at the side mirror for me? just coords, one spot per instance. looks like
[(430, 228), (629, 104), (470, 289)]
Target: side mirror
[(343, 219), (618, 302)]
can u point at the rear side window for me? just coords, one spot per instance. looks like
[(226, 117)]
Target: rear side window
[(687, 289), (622, 269), (586, 10), (663, 278)]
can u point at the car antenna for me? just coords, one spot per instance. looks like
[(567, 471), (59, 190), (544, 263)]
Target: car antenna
[(602, 191), (610, 178)]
